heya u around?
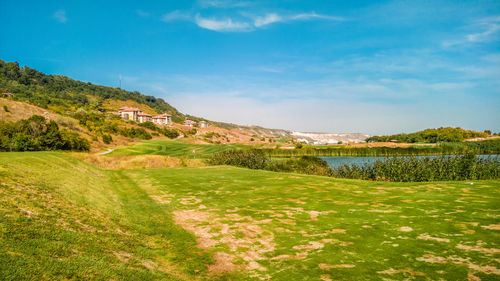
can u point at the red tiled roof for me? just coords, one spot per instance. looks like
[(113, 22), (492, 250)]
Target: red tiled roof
[(164, 115), (143, 114), (129, 109), (189, 122)]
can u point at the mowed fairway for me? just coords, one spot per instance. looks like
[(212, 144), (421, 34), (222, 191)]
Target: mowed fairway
[(61, 218), (175, 149)]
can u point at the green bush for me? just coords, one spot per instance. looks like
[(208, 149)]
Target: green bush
[(35, 134), (149, 125), (252, 159), (107, 139), (5, 108), (304, 165)]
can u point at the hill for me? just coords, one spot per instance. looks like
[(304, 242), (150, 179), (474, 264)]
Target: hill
[(64, 96), (443, 134)]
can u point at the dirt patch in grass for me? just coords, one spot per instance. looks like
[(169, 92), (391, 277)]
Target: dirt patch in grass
[(491, 226), (487, 269), (123, 256), (242, 236), (428, 237), (478, 249), (326, 266), (401, 271)]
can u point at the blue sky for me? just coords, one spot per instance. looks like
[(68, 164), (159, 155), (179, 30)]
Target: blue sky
[(331, 66)]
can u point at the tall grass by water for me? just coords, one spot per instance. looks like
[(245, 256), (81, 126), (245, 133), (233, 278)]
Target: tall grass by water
[(412, 169), (398, 169), (480, 147)]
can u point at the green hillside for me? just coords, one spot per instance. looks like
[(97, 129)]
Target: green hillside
[(443, 134), (62, 93), (62, 219)]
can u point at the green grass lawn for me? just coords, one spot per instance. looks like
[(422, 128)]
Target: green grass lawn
[(61, 218), (175, 149)]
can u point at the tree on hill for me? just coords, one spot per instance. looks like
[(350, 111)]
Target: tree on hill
[(443, 134)]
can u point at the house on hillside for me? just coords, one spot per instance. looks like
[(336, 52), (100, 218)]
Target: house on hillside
[(144, 117), (203, 124), (163, 119), (189, 123), (128, 113)]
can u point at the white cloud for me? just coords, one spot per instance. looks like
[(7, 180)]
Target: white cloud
[(313, 15), (248, 22), (176, 15), (60, 16), (267, 19), (223, 3), (223, 25), (488, 31)]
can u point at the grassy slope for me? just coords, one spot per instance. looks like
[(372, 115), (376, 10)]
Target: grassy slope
[(61, 218), (174, 149)]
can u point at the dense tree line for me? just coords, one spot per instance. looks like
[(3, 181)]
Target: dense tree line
[(443, 134), (36, 134), (44, 90)]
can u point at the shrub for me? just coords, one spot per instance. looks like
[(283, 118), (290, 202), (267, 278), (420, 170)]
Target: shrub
[(252, 159), (107, 139), (303, 165), (170, 133), (35, 133), (5, 108), (149, 125)]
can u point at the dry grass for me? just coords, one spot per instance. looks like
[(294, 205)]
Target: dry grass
[(114, 105), (120, 162)]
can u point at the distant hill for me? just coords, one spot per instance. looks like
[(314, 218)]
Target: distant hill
[(443, 134), (63, 95)]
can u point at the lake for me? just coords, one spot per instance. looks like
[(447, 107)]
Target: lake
[(340, 160)]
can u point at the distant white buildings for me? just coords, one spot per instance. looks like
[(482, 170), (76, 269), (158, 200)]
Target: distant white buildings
[(203, 124), (189, 123), (135, 114), (163, 119)]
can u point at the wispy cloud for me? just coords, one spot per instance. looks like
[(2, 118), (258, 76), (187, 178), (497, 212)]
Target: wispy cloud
[(60, 15), (176, 15), (142, 14), (485, 30), (267, 19), (223, 4), (246, 22), (223, 25)]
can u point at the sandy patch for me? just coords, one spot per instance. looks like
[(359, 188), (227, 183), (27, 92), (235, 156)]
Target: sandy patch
[(405, 229), (123, 256), (491, 226), (241, 235), (326, 266), (391, 271), (478, 249), (428, 237)]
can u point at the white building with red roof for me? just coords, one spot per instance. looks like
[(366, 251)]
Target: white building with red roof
[(144, 117), (163, 119), (189, 123), (129, 113)]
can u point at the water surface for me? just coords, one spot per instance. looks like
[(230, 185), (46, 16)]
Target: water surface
[(360, 161)]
